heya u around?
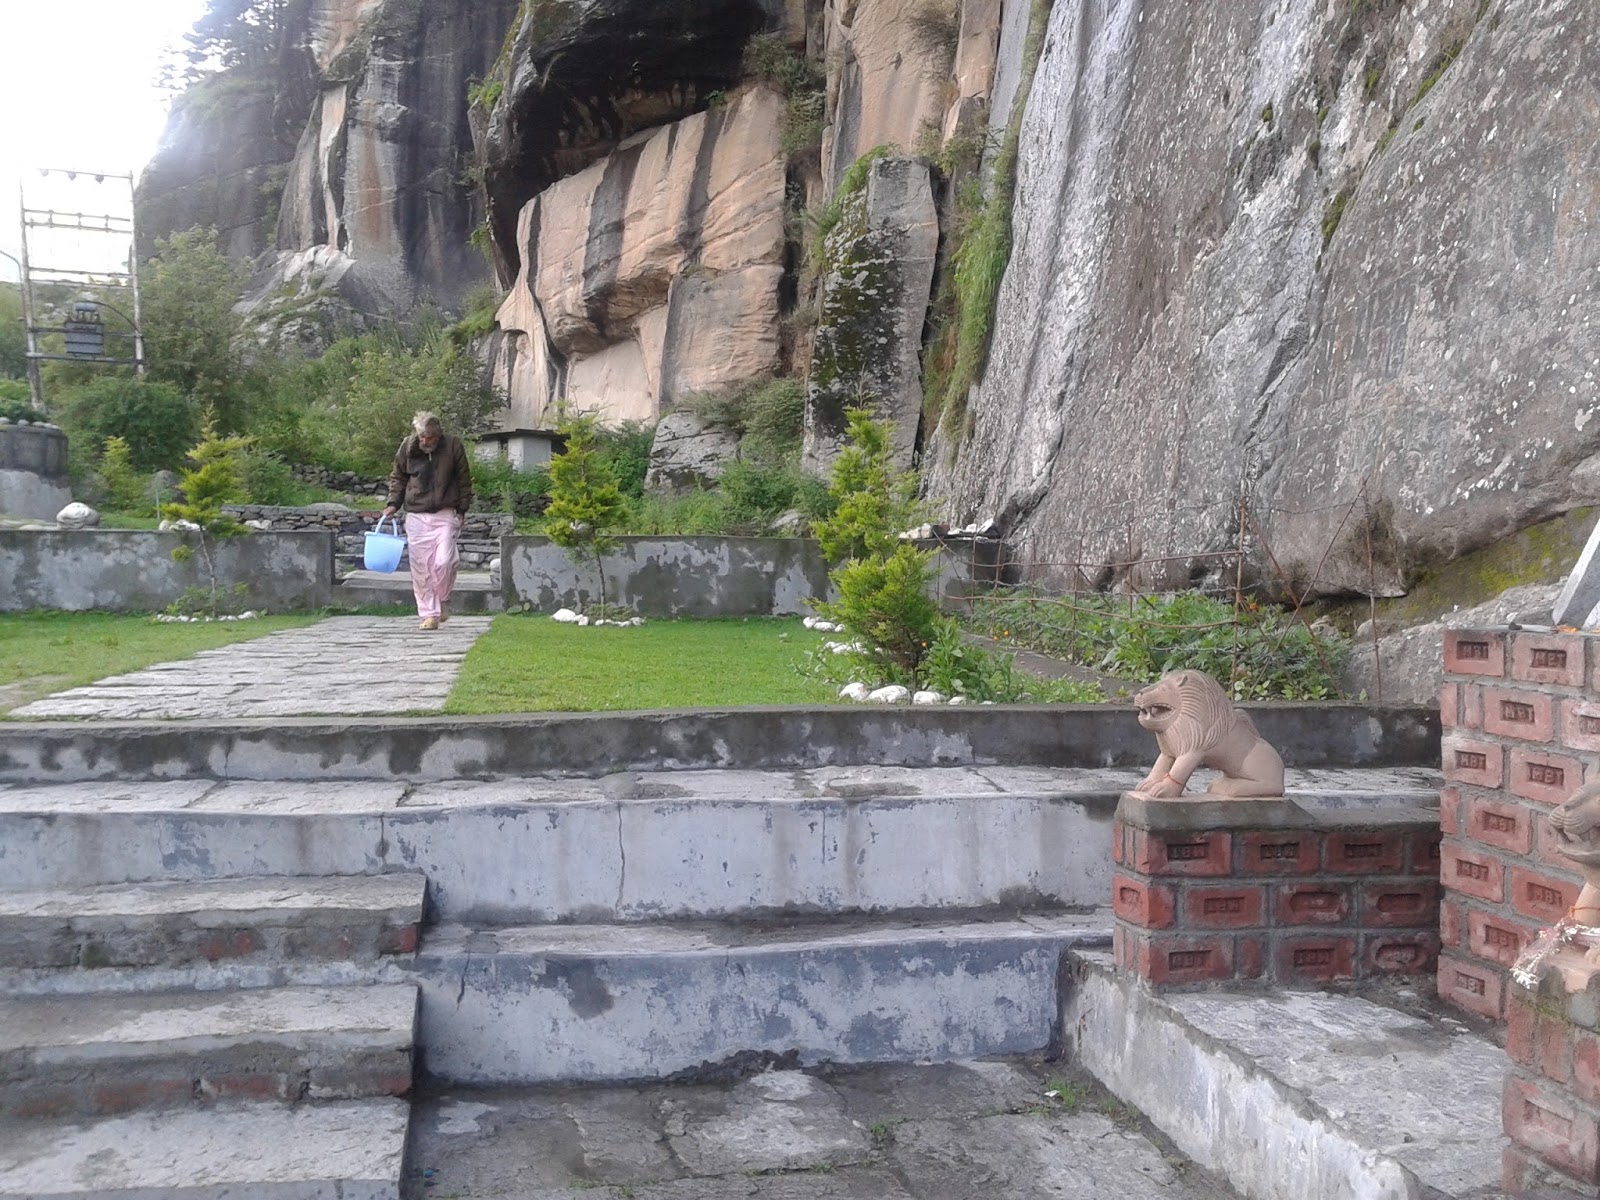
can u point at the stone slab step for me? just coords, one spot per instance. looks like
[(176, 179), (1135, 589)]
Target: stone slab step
[(642, 846), (1298, 1093), (577, 1003), (357, 917), (102, 1055), (353, 1150)]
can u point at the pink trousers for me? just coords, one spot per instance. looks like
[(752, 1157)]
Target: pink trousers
[(431, 541)]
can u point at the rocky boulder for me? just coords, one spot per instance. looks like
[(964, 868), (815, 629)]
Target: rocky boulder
[(689, 452), (653, 273), (77, 515), (878, 279)]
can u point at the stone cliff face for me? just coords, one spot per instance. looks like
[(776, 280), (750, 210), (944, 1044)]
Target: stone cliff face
[(1320, 271), (346, 164), (1336, 261)]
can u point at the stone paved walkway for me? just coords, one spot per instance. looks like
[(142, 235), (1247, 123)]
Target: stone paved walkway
[(342, 666), (955, 1131)]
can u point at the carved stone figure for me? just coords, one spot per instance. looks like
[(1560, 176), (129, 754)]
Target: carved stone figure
[(1577, 828), (1196, 725)]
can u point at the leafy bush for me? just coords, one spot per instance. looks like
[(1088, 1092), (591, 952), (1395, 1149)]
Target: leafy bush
[(153, 418), (769, 414), (1264, 652), (16, 403), (873, 503), (369, 389), (625, 451), (499, 487), (121, 487)]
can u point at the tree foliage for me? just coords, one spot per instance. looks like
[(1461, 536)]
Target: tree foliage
[(585, 502), (192, 335), (152, 418), (230, 35), (215, 479), (369, 388), (873, 502), (13, 337)]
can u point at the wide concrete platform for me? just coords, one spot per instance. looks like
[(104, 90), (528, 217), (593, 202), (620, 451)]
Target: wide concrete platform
[(635, 846), (954, 1131), (1291, 1094), (341, 665), (352, 1150)]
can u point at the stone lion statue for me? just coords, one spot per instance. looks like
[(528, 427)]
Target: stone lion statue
[(1577, 828), (1196, 725)]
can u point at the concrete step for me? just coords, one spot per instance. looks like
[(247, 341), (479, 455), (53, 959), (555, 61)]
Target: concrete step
[(356, 917), (104, 1055), (576, 1003), (1299, 1093), (644, 846), (350, 1149)]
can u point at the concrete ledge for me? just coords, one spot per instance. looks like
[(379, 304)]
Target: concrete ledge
[(100, 1055), (1089, 736), (1297, 1093), (593, 1003), (353, 1150), (171, 923)]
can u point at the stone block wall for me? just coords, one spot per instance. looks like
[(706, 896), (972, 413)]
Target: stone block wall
[(1221, 891), (479, 542), (1521, 733), (1551, 1104)]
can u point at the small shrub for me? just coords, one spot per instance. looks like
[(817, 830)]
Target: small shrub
[(1334, 213), (935, 29), (485, 93), (122, 486), (585, 503)]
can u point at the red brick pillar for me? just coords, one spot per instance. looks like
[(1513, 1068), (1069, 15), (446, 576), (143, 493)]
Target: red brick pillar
[(1216, 891), (1551, 1104), (1521, 729)]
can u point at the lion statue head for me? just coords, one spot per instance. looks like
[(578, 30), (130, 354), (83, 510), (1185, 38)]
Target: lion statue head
[(1577, 827), (1186, 710)]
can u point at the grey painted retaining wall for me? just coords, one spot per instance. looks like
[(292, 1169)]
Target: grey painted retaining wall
[(134, 571), (706, 576), (33, 471), (670, 577), (1067, 735)]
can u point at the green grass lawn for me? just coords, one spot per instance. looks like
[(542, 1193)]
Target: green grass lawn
[(44, 652), (529, 663)]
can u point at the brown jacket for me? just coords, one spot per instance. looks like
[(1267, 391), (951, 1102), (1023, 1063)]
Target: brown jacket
[(431, 481)]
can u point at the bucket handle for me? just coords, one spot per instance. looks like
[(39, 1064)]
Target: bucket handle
[(393, 521)]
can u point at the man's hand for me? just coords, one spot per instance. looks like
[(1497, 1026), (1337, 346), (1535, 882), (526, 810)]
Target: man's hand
[(389, 511)]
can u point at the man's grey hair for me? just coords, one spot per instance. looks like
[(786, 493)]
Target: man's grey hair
[(426, 422)]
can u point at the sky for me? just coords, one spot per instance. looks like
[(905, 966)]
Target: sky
[(77, 91)]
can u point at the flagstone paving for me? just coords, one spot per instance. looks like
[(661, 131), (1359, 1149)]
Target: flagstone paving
[(342, 666)]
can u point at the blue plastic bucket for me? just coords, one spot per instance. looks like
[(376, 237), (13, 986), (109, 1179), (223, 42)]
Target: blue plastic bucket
[(382, 551)]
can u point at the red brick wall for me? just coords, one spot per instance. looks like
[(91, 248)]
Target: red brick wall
[(1521, 726), (1212, 891), (1551, 1104)]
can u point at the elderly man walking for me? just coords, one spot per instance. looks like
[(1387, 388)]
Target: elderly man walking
[(433, 480)]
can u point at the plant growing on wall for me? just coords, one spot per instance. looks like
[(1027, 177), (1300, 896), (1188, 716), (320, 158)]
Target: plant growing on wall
[(585, 502), (214, 480)]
